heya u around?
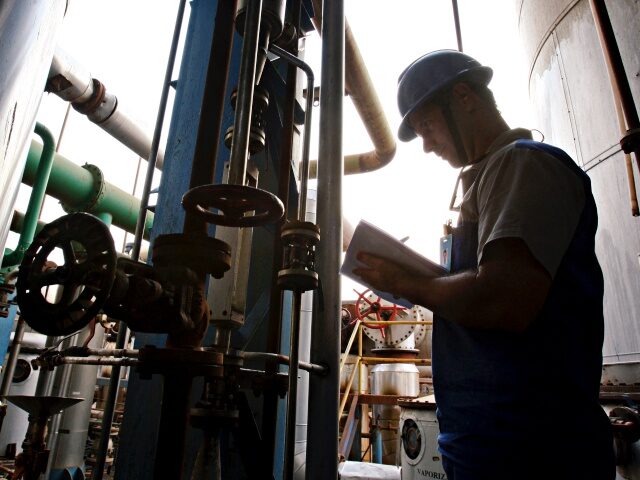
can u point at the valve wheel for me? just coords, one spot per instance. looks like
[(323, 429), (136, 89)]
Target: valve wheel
[(238, 205), (365, 308), (84, 279)]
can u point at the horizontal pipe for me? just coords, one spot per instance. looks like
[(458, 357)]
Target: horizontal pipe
[(61, 360), (17, 222), (80, 189), (378, 360), (359, 87), (284, 360), (72, 82)]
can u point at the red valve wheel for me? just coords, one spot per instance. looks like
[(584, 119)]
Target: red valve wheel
[(365, 308)]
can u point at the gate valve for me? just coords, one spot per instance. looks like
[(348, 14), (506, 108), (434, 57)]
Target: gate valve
[(365, 307)]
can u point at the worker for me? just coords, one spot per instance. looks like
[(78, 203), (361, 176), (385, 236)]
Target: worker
[(518, 326)]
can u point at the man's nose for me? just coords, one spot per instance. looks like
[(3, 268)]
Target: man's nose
[(427, 144)]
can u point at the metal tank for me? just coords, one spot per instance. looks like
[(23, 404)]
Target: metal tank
[(400, 379), (572, 96), (28, 35), (25, 380)]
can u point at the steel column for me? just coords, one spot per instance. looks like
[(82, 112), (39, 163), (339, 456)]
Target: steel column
[(322, 457)]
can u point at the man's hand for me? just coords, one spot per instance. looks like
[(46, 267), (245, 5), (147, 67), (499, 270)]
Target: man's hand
[(388, 276)]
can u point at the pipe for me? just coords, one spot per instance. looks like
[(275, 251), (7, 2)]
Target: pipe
[(246, 84), (304, 174), (456, 21), (71, 82), (285, 360), (17, 222), (365, 99), (292, 395), (36, 200), (10, 368), (325, 347), (84, 189), (623, 98)]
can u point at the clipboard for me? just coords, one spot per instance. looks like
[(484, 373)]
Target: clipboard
[(369, 238)]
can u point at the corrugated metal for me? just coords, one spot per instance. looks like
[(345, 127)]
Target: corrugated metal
[(571, 92)]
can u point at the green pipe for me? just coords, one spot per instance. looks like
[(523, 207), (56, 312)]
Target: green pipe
[(83, 189), (44, 164)]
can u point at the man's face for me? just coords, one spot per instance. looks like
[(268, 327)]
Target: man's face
[(430, 125)]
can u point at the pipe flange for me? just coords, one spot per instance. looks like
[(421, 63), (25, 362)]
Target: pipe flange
[(94, 102), (97, 192), (631, 141), (181, 360), (195, 251)]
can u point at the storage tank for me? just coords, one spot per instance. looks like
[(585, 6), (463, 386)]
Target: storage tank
[(571, 94), (28, 35), (25, 380)]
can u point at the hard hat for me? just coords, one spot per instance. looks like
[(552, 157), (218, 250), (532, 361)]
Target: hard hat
[(430, 75)]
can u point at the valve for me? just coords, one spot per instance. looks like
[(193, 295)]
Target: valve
[(238, 205), (257, 133), (365, 308), (85, 278), (299, 240)]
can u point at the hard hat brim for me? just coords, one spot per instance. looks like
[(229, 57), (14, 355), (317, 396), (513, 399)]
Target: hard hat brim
[(480, 75)]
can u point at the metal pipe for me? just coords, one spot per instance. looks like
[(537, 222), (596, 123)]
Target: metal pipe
[(36, 200), (456, 20), (152, 158), (623, 97), (17, 222), (325, 348), (72, 82), (212, 107), (10, 367), (246, 84), (304, 165), (64, 360), (285, 360), (84, 189), (365, 99), (292, 395)]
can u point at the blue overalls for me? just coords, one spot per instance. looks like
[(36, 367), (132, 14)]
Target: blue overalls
[(525, 406)]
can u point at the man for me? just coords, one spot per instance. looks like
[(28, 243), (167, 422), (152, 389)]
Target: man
[(517, 339)]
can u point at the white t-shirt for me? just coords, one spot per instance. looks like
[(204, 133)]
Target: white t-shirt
[(527, 194)]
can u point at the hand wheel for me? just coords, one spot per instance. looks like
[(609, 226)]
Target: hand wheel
[(84, 279), (366, 308), (238, 206)]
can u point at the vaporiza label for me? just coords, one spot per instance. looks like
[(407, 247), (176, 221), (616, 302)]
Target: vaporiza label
[(430, 474)]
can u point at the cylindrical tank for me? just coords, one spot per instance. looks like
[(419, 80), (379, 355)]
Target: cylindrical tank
[(28, 36), (400, 379), (419, 440), (571, 94), (25, 379)]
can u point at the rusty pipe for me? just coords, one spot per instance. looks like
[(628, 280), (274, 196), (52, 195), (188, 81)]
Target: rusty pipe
[(623, 98), (359, 87)]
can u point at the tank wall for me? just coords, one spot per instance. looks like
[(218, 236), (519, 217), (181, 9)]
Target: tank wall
[(28, 34), (571, 94)]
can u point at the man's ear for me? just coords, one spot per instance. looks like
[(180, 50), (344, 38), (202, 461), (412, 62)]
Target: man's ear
[(464, 96)]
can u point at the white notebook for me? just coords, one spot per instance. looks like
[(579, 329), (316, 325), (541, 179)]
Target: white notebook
[(369, 238)]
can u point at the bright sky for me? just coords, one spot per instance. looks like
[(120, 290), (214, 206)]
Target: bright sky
[(127, 44)]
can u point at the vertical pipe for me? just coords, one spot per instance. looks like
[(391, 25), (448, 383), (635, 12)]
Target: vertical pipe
[(246, 84), (292, 396), (123, 333), (212, 108), (619, 80), (623, 98), (157, 132), (13, 359), (325, 348), (37, 197), (456, 19)]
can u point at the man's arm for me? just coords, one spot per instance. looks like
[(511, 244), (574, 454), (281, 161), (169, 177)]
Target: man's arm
[(505, 293)]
